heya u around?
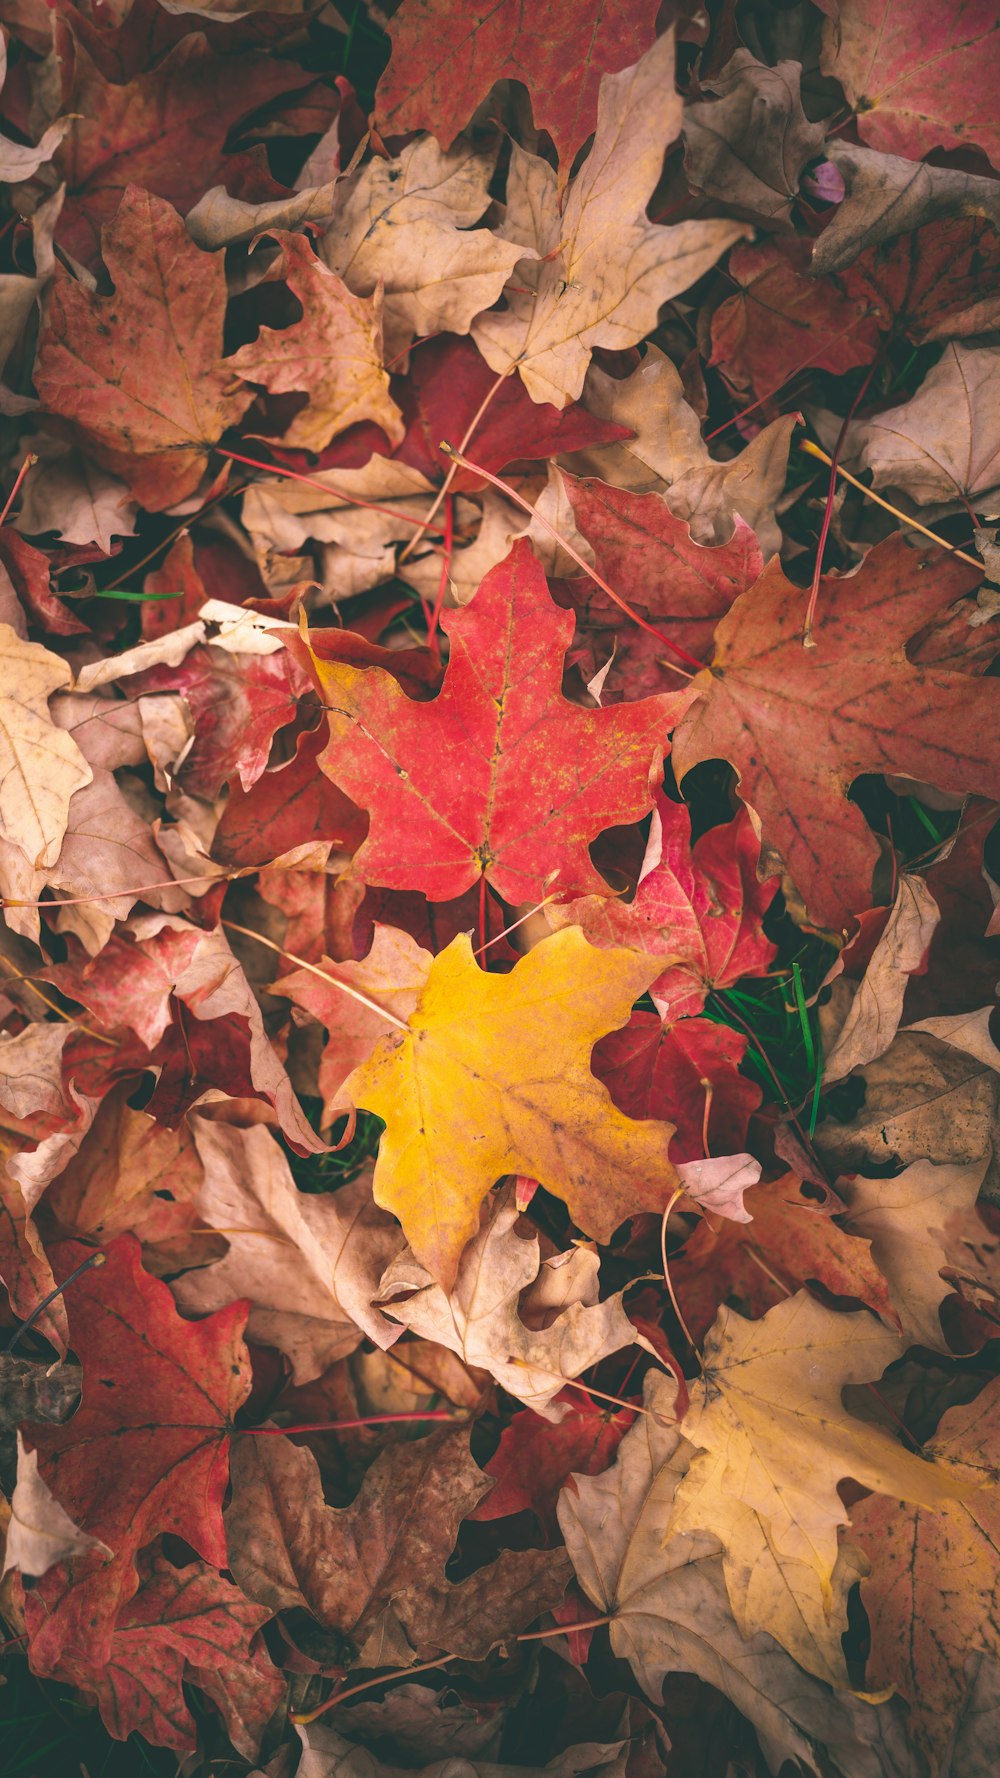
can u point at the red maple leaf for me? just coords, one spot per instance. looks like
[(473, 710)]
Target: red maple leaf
[(686, 1073), (147, 1453), (500, 775)]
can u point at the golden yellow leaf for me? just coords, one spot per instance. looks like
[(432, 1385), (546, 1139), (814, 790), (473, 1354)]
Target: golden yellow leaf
[(493, 1077), (769, 1412)]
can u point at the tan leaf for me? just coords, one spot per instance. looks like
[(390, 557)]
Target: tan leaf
[(333, 353), (944, 443), (327, 1755), (922, 1099), (669, 456), (31, 1078), (671, 1613), (309, 1263), (219, 220), (479, 1317), (887, 196), (769, 1408), (40, 765), (605, 269), (748, 148), (906, 1219), (408, 222), (965, 1031), (877, 1007), (40, 1532)]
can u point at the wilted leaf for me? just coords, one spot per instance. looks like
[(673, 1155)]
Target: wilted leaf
[(40, 1533), (944, 443), (874, 1014), (750, 145), (40, 765)]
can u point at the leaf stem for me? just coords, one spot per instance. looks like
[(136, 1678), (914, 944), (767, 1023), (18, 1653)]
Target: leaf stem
[(323, 974), (813, 450)]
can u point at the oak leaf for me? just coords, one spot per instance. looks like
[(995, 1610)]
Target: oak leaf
[(478, 1318), (932, 1593), (333, 354), (596, 271), (764, 690), (147, 1451), (769, 1412), (492, 1076), (374, 1570), (446, 58), (670, 1611), (500, 776), (703, 904), (167, 309)]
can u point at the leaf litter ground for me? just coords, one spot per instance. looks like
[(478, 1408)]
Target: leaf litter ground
[(498, 1100)]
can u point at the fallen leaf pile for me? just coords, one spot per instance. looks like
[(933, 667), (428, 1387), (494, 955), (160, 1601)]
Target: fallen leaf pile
[(499, 846)]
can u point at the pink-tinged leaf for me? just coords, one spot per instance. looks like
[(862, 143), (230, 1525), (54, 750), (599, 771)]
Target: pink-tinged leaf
[(783, 321), (649, 558), (917, 78), (446, 56), (291, 806), (701, 904), (687, 1074), (238, 702)]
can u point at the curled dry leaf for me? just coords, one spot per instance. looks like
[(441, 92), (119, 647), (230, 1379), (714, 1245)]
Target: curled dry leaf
[(41, 766), (875, 1012), (944, 443), (750, 145), (310, 1266), (478, 1318), (604, 269)]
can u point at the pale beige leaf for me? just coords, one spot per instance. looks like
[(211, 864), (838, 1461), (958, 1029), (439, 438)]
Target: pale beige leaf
[(409, 223), (610, 267), (877, 1007), (309, 1263), (219, 220), (906, 1220), (669, 456), (167, 650), (31, 1069), (943, 444), (479, 1318), (40, 1532), (671, 1612), (769, 1407), (40, 765), (966, 1031), (718, 1183), (69, 494)]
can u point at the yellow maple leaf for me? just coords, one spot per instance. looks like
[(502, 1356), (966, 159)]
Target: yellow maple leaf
[(778, 1438), (492, 1076)]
